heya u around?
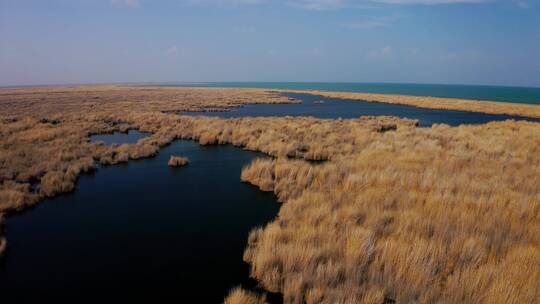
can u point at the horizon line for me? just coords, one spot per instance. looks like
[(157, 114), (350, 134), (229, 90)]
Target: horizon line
[(257, 82)]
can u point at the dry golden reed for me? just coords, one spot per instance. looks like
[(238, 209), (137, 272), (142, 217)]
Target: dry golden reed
[(395, 213), (177, 161), (242, 296), (439, 215), (44, 132)]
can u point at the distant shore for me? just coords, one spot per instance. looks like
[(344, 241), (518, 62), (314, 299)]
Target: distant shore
[(513, 94), (428, 102), (439, 103)]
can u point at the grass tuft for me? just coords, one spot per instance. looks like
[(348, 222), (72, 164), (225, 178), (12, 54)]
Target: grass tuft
[(242, 296), (177, 161)]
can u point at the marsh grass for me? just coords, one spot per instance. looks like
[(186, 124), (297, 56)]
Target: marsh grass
[(44, 132), (3, 245), (241, 296), (177, 161), (440, 215), (396, 213)]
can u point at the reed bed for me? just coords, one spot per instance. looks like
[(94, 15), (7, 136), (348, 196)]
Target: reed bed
[(177, 161), (395, 214), (440, 215), (242, 296), (44, 132), (50, 102)]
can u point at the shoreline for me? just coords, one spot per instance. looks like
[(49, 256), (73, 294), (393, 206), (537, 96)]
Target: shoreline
[(519, 94), (426, 102), (436, 103)]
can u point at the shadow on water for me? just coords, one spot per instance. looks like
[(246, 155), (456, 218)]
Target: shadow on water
[(141, 231), (323, 107)]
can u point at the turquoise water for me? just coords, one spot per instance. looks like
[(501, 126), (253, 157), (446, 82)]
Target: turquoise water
[(476, 92)]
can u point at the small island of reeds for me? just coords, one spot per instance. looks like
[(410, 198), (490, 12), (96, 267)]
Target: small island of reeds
[(177, 161)]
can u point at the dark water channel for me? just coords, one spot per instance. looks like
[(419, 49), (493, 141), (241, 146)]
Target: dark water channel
[(324, 107), (130, 137), (140, 232)]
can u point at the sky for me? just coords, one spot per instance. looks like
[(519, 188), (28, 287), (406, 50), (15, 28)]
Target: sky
[(491, 42)]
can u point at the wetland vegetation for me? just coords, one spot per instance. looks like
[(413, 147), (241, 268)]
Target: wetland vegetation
[(396, 213), (177, 161), (331, 107)]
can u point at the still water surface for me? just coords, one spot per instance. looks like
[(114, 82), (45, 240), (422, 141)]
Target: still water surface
[(140, 232), (130, 137), (335, 108)]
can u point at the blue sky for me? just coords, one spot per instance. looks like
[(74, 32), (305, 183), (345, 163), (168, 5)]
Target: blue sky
[(493, 42)]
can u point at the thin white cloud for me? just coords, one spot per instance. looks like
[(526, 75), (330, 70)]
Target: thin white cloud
[(245, 29), (380, 53), (225, 2), (172, 51), (370, 22), (318, 5), (336, 4), (413, 51), (449, 57), (127, 3), (303, 4), (430, 2), (365, 24), (522, 4)]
